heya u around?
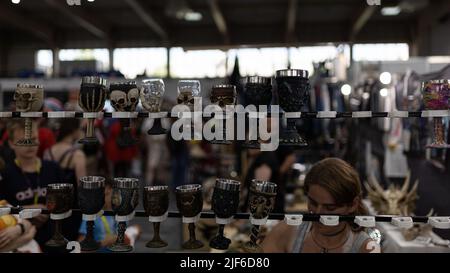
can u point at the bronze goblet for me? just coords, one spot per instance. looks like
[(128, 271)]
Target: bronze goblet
[(156, 204), (261, 203), (190, 203), (124, 199)]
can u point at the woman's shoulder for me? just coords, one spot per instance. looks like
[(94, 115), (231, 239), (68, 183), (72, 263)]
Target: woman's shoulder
[(280, 238)]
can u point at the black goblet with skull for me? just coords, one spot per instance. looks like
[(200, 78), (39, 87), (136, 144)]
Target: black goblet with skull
[(151, 95), (28, 98), (223, 95), (124, 97)]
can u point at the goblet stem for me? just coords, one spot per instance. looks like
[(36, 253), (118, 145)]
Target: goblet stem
[(221, 228), (90, 128), (28, 128), (156, 226), (122, 226), (254, 234), (438, 131), (89, 231), (192, 232)]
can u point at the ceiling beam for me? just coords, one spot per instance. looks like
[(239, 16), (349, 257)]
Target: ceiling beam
[(219, 20), (81, 18), (147, 18), (291, 19), (24, 22), (362, 20)]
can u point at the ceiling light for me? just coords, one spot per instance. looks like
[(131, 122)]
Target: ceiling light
[(15, 1), (391, 11), (383, 92), (346, 89), (193, 16), (385, 78)]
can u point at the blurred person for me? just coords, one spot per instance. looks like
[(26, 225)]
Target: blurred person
[(72, 160), (332, 187), (120, 158), (16, 235), (157, 155), (24, 180)]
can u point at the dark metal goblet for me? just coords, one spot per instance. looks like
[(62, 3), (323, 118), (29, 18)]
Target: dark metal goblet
[(223, 95), (59, 200), (91, 99), (124, 97), (190, 204), (225, 202), (436, 96), (91, 199), (156, 204), (293, 92), (261, 203), (257, 91), (28, 98), (152, 93), (124, 199)]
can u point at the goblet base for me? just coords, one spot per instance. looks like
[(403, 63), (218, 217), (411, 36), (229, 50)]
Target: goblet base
[(156, 244), (56, 245), (438, 145), (251, 247), (89, 245), (192, 244), (292, 138), (220, 242), (251, 144), (27, 142), (117, 247), (157, 128), (88, 141), (221, 142)]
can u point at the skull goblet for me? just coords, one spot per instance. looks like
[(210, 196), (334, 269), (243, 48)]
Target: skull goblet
[(28, 98), (91, 99), (124, 98), (223, 95), (156, 204), (190, 203), (124, 199), (261, 203), (151, 94), (188, 91)]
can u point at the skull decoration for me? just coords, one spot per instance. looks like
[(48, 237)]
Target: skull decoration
[(223, 95), (29, 97), (394, 200), (152, 92), (187, 91), (124, 96)]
